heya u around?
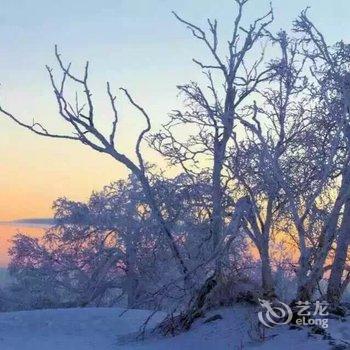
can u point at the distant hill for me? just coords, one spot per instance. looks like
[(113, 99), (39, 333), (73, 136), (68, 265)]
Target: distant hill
[(33, 221)]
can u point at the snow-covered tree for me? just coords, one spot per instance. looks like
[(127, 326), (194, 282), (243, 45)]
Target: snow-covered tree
[(262, 149)]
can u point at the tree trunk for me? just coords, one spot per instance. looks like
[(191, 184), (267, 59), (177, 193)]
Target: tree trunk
[(220, 147), (131, 276), (183, 322), (216, 227), (307, 289), (334, 291), (266, 271)]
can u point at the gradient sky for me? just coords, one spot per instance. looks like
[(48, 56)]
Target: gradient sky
[(131, 43)]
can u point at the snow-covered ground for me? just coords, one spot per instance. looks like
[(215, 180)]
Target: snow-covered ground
[(105, 329)]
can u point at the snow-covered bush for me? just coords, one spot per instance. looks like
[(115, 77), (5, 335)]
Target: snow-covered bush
[(110, 249)]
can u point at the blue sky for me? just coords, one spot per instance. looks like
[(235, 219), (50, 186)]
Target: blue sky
[(130, 42), (133, 43)]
